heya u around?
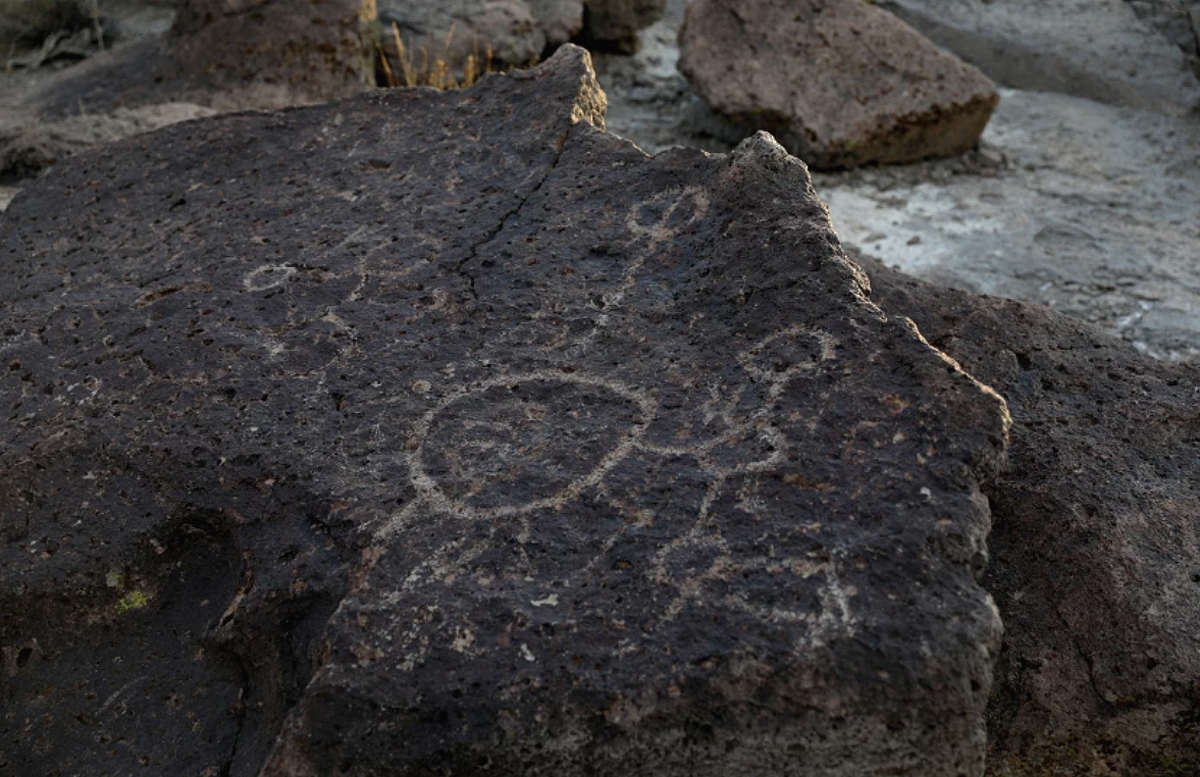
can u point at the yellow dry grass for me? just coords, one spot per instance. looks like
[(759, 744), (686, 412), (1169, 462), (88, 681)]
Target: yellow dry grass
[(411, 66)]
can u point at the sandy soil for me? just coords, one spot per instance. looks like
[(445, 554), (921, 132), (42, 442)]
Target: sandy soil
[(1089, 208)]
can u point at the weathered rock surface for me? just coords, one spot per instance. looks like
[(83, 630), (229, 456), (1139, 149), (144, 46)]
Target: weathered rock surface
[(30, 146), (318, 48), (561, 20), (1031, 44), (216, 57), (452, 31), (1176, 20), (1095, 549), (445, 432), (228, 56), (840, 82), (614, 24), (518, 31)]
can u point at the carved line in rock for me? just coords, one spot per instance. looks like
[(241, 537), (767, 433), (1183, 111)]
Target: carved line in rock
[(835, 616), (267, 276), (432, 496), (657, 233)]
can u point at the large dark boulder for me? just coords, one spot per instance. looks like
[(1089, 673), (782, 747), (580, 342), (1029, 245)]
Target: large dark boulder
[(445, 433), (614, 24), (1096, 540), (514, 32), (319, 49)]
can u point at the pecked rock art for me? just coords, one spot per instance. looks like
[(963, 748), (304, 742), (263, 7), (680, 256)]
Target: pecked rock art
[(446, 433)]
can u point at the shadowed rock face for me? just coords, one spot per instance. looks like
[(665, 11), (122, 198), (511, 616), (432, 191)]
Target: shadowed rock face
[(317, 47), (443, 432), (840, 82), (228, 55), (510, 31), (613, 24), (1096, 545)]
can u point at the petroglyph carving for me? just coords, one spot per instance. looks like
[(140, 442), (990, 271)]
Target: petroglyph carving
[(473, 459), (466, 457), (268, 276), (510, 446)]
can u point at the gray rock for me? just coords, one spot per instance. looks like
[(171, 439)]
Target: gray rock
[(452, 31), (1095, 550), (1031, 44), (214, 59), (317, 47), (614, 24), (1175, 20), (226, 56), (444, 432), (30, 146), (561, 20), (517, 31), (840, 83), (25, 25)]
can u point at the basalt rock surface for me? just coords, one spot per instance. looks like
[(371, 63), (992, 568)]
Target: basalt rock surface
[(1095, 549), (445, 433), (839, 82)]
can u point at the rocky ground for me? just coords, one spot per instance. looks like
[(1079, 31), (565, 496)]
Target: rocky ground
[(1086, 207)]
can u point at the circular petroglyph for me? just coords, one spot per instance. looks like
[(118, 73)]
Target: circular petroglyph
[(664, 215), (520, 443), (268, 276), (788, 352)]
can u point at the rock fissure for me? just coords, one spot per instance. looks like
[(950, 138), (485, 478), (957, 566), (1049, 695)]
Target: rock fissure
[(503, 222)]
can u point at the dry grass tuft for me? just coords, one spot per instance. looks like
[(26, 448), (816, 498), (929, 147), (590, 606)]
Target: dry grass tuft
[(404, 65)]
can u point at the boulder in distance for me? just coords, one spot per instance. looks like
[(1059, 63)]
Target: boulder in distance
[(840, 83)]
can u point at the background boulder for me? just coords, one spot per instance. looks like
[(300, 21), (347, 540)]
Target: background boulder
[(319, 48), (516, 32), (614, 24), (1121, 57), (247, 55), (840, 83), (452, 31)]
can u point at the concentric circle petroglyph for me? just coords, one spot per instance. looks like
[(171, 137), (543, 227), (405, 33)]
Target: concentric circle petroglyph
[(519, 443), (267, 276), (513, 445)]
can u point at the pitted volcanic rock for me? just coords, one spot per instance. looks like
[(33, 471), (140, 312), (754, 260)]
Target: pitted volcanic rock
[(446, 432), (1095, 551)]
